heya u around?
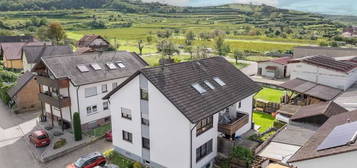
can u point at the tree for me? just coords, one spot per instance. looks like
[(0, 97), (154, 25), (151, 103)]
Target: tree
[(149, 39), (77, 127), (221, 47), (55, 32), (167, 48), (190, 37), (40, 33), (189, 49), (141, 46), (238, 55)]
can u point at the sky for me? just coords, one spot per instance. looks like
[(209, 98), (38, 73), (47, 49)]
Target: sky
[(335, 7)]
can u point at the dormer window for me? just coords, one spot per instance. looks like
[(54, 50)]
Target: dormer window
[(219, 81), (199, 88), (209, 84)]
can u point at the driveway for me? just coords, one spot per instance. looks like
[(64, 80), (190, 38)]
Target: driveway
[(14, 151)]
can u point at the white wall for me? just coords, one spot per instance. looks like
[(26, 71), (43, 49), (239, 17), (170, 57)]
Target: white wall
[(322, 75), (343, 160), (84, 102), (246, 107), (280, 69)]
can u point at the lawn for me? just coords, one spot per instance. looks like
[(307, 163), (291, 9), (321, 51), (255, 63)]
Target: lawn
[(239, 65), (117, 159), (269, 94), (264, 120)]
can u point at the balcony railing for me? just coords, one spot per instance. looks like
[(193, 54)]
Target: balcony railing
[(52, 82), (229, 128), (58, 102)]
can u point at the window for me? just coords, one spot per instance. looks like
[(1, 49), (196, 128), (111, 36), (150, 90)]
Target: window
[(111, 65), (219, 81), (144, 121), (127, 136), (92, 109), (204, 125), (114, 85), (239, 104), (144, 95), (105, 105), (204, 150), (209, 84), (126, 113), (146, 143), (82, 68), (104, 88), (120, 64), (199, 88), (95, 66), (92, 91)]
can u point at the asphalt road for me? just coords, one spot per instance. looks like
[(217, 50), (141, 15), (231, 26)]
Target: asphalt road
[(14, 152)]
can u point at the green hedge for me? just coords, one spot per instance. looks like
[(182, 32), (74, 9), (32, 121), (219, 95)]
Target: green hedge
[(77, 127), (3, 92)]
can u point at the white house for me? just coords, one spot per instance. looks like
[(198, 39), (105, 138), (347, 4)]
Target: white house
[(77, 83), (275, 68), (324, 70), (333, 145), (170, 116)]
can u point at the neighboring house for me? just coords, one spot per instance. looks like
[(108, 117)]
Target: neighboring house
[(333, 145), (303, 51), (300, 129), (350, 31), (25, 94), (77, 83), (12, 53), (170, 116), (324, 70), (16, 39), (33, 54), (348, 98), (275, 68), (91, 43)]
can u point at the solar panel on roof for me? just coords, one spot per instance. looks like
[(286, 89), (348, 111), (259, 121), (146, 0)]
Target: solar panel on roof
[(95, 66), (82, 68), (341, 135), (111, 65)]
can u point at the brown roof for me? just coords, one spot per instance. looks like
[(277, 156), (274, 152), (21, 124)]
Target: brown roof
[(288, 109), (83, 50), (313, 89), (329, 63), (309, 150), (282, 60), (87, 39), (13, 51), (175, 82), (16, 39), (20, 83), (35, 53), (326, 109)]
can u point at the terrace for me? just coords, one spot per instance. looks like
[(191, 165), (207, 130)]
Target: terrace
[(229, 124)]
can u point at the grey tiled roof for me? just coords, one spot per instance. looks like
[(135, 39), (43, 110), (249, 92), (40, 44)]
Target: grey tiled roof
[(175, 80), (34, 53), (326, 109), (295, 134), (15, 39), (20, 83), (66, 66)]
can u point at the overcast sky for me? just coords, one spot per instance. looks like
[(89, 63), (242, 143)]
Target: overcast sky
[(347, 7)]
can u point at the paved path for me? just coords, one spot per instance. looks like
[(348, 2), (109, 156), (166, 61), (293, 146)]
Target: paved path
[(251, 69), (14, 152)]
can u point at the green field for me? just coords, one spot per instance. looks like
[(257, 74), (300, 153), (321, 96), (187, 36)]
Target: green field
[(270, 95), (264, 120)]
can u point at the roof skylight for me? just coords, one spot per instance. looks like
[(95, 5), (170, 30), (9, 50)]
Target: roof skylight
[(82, 68), (219, 81), (199, 88), (209, 84), (95, 66), (111, 65), (120, 64)]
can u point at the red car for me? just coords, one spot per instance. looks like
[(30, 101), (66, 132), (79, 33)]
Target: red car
[(40, 138), (108, 136), (89, 161)]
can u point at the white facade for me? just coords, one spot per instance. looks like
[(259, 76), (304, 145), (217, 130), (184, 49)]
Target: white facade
[(345, 160), (77, 94), (322, 75), (173, 138), (280, 71)]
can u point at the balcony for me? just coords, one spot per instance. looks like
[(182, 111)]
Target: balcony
[(58, 102), (229, 125), (52, 83)]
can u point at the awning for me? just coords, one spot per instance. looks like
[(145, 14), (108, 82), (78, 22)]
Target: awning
[(271, 67), (312, 89)]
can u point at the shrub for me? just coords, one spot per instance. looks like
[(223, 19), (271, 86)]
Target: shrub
[(278, 124), (59, 143), (242, 153), (137, 165), (77, 127)]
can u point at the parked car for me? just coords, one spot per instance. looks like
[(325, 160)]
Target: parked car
[(89, 161), (40, 138), (108, 136)]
